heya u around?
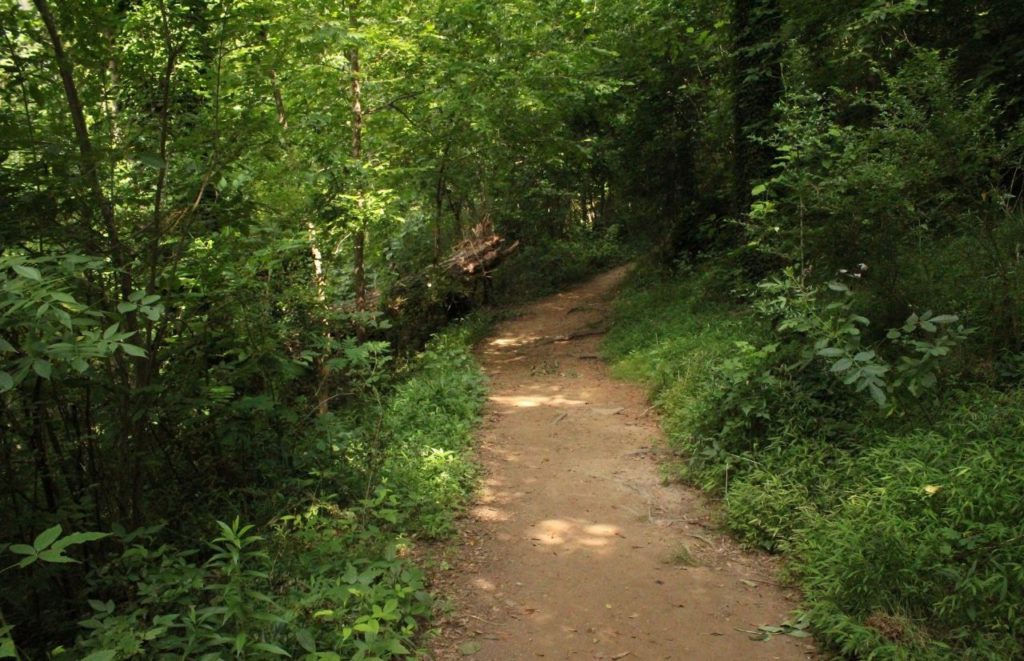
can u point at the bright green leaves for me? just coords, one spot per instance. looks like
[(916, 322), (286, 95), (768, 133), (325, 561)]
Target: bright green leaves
[(57, 333), (49, 546), (29, 272)]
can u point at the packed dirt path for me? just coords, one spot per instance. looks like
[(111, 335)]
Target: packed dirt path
[(575, 549)]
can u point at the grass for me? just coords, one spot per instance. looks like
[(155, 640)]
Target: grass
[(906, 533)]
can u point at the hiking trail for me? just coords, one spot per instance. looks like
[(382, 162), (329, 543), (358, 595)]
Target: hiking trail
[(574, 547)]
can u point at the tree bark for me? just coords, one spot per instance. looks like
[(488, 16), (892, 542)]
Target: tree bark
[(359, 242), (90, 165)]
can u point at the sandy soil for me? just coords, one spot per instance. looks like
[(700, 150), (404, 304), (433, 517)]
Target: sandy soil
[(575, 548)]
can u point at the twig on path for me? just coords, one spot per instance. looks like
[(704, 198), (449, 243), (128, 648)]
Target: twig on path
[(621, 655), (700, 537), (475, 617), (767, 582), (560, 417)]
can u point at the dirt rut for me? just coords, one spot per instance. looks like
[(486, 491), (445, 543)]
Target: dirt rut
[(575, 549)]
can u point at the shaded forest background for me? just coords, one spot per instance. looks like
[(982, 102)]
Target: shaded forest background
[(231, 399)]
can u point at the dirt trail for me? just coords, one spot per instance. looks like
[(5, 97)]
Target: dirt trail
[(574, 548)]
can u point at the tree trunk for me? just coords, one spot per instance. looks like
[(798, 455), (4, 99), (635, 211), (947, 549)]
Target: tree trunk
[(757, 85), (359, 241)]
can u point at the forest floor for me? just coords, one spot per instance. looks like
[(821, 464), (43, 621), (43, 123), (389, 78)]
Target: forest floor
[(575, 547)]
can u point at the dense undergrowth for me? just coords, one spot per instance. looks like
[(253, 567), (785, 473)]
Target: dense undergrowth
[(903, 525), (329, 575)]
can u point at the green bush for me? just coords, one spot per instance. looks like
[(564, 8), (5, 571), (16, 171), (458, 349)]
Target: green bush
[(332, 578), (904, 526)]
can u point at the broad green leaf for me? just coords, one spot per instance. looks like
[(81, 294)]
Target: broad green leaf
[(758, 190), (877, 394), (42, 367), (47, 537), (133, 350), (369, 626), (56, 557), (21, 549), (6, 381), (125, 306), (7, 649), (396, 647), (306, 640), (79, 538), (29, 272), (842, 365), (831, 352)]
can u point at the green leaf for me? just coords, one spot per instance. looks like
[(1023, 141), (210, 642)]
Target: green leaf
[(102, 655), (306, 640), (944, 319), (125, 306), (42, 367), (109, 332), (56, 557), (831, 352), (842, 365), (151, 161), (21, 549), (6, 346), (758, 190), (271, 649), (396, 647), (47, 537), (29, 272), (838, 286), (370, 626), (79, 538), (6, 381), (877, 394), (133, 350)]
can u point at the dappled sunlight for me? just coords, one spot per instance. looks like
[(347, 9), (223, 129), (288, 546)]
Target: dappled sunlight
[(574, 534), (488, 513), (484, 584), (533, 401), (513, 341)]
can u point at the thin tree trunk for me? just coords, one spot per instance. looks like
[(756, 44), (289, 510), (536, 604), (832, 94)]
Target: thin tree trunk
[(359, 243), (89, 162), (282, 116)]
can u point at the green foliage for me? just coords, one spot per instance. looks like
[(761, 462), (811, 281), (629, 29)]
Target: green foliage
[(429, 423), (49, 546), (902, 526), (543, 268), (328, 582)]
